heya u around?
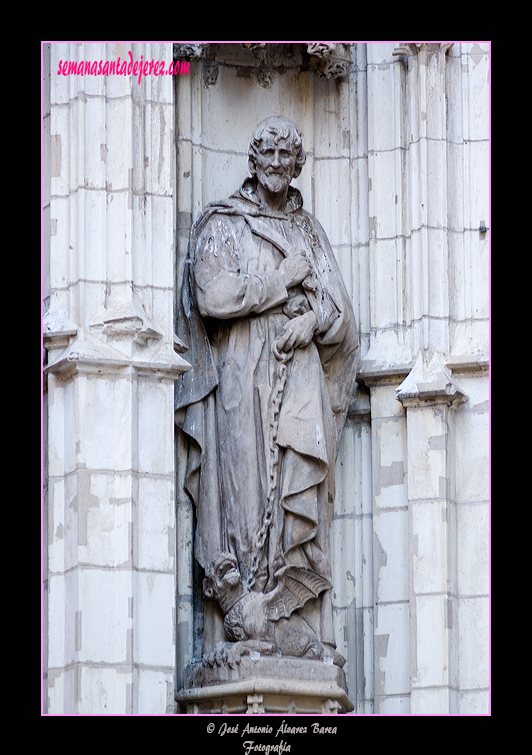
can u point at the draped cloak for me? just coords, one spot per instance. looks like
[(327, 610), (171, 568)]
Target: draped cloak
[(233, 306)]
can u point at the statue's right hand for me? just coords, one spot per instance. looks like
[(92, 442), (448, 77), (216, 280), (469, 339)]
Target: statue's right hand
[(294, 269)]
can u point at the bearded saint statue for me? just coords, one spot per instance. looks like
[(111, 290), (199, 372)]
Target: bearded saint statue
[(273, 347)]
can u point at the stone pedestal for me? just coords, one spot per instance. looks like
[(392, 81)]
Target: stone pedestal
[(264, 685)]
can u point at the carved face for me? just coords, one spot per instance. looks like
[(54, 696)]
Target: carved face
[(223, 577), (275, 163)]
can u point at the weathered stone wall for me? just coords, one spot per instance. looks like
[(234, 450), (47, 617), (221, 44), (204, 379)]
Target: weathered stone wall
[(111, 366)]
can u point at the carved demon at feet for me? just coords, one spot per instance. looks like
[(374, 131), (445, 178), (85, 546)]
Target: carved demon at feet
[(267, 623)]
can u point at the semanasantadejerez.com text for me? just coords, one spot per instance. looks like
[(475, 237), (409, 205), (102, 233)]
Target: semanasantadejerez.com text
[(123, 67)]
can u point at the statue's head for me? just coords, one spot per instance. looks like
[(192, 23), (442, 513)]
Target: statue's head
[(274, 132), (222, 579)]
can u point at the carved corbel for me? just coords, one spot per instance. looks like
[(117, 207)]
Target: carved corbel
[(265, 77), (192, 51), (210, 73), (329, 60), (198, 51), (410, 49)]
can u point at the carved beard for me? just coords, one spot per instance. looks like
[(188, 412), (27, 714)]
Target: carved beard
[(274, 182)]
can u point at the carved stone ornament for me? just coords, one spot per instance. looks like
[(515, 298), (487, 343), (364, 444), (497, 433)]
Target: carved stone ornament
[(430, 382), (273, 345), (126, 319), (330, 60), (413, 48)]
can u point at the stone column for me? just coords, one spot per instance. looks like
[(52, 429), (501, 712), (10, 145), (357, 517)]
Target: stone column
[(427, 180), (412, 200), (429, 394), (429, 390), (110, 374)]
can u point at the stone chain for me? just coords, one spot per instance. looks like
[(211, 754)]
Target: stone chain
[(273, 473)]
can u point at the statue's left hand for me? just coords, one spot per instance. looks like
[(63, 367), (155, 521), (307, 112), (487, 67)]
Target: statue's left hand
[(298, 332)]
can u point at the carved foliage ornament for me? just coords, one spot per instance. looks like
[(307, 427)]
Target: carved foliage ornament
[(329, 60)]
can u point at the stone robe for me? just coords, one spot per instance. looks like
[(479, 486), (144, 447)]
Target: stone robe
[(234, 305)]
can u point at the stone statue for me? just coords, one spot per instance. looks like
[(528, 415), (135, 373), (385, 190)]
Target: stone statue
[(273, 348), (265, 621)]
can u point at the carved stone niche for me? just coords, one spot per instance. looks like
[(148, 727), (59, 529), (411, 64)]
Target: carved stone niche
[(264, 60)]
